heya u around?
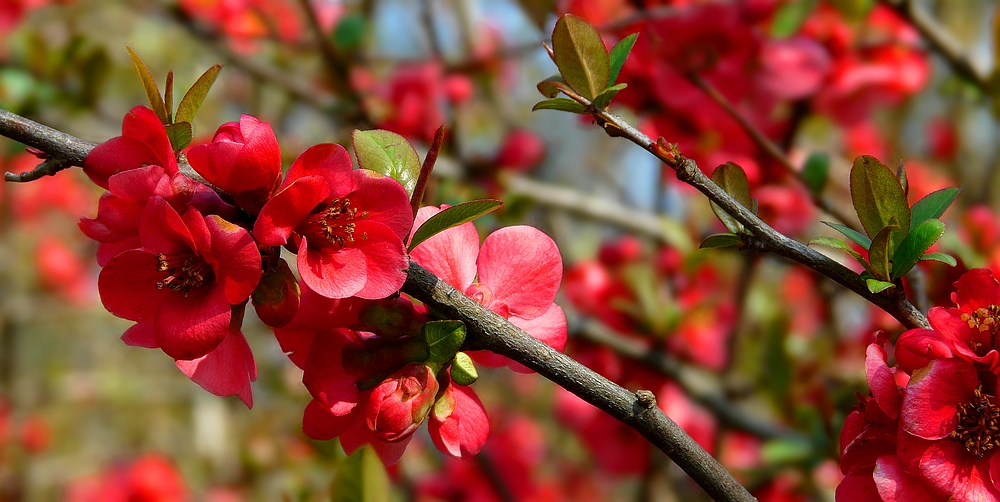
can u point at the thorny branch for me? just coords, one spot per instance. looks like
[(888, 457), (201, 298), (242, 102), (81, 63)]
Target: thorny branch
[(488, 331)]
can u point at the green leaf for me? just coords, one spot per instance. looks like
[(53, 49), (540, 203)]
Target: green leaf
[(350, 31), (815, 171), (940, 257), (551, 86), (790, 16), (149, 86), (580, 55), (193, 98), (854, 10), (443, 339), (619, 53), (561, 104), (933, 205), (850, 233), (878, 198), (179, 134), (720, 241), (904, 182), (463, 371), (362, 478), (786, 451), (733, 180), (604, 98), (168, 96), (914, 245), (880, 254), (387, 153), (876, 286), (835, 243), (451, 217)]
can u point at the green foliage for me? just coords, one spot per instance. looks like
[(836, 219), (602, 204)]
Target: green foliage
[(580, 56), (932, 205), (878, 198), (463, 370), (350, 31), (149, 86), (193, 98), (940, 257), (619, 53), (453, 216), (877, 286), (604, 98), (362, 478), (831, 242), (815, 171), (551, 86), (880, 253), (561, 104), (443, 339), (721, 241), (180, 135), (790, 16), (914, 245), (389, 154), (731, 178), (850, 233)]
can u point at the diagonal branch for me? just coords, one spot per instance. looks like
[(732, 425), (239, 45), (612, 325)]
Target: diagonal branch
[(763, 236), (63, 150), (488, 331)]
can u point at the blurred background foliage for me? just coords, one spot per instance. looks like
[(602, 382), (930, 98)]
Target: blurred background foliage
[(79, 409)]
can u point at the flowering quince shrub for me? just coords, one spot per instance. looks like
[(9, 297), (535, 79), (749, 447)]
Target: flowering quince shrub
[(183, 253)]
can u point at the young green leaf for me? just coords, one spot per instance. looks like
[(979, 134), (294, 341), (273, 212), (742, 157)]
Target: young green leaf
[(350, 31), (850, 233), (149, 86), (179, 134), (463, 370), (443, 339), (619, 53), (815, 171), (790, 16), (580, 55), (451, 217), (604, 98), (914, 245), (362, 478), (940, 257), (387, 153), (835, 243), (904, 182), (551, 86), (876, 286), (193, 98), (878, 198), (880, 254), (168, 97), (720, 241), (932, 205), (733, 180), (561, 104)]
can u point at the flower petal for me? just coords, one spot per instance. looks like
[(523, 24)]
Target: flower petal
[(225, 371), (977, 288), (896, 485), (320, 424), (191, 325), (327, 160), (385, 260), (140, 335), (933, 394), (523, 267), (333, 274), (450, 255), (235, 259), (128, 286), (324, 375), (384, 200), (286, 210)]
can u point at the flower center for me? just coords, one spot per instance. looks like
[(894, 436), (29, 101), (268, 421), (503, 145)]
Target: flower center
[(333, 226), (978, 425), (986, 321), (184, 271)]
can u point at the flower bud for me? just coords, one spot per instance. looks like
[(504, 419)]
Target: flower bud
[(276, 298), (401, 403)]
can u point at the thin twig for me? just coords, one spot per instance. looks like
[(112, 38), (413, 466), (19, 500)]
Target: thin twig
[(63, 149), (772, 150), (765, 238)]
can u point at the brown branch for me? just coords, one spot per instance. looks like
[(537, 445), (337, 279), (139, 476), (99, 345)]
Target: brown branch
[(762, 235), (488, 331), (772, 150), (63, 149)]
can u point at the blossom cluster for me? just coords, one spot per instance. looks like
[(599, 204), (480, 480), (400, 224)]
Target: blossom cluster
[(182, 257), (929, 429)]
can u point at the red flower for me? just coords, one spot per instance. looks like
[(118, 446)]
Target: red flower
[(401, 402), (346, 225), (184, 280), (143, 142), (119, 211), (243, 160), (225, 371), (518, 270), (458, 424), (951, 431)]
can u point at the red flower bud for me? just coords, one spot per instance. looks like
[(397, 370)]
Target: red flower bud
[(401, 403), (276, 298)]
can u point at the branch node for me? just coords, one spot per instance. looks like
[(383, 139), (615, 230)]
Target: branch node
[(645, 399)]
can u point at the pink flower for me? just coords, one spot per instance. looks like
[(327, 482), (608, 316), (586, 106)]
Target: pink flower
[(346, 225), (516, 274), (184, 279), (243, 160), (143, 142), (458, 424), (401, 402)]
